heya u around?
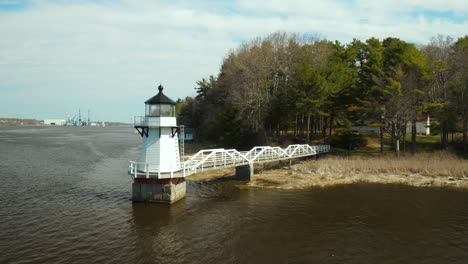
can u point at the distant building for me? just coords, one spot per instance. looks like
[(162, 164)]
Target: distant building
[(189, 134), (364, 129), (54, 122), (423, 127)]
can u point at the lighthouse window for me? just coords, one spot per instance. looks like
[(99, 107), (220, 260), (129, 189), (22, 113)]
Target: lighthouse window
[(167, 110), (160, 110), (153, 110)]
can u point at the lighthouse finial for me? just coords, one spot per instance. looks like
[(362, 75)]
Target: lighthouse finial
[(160, 88)]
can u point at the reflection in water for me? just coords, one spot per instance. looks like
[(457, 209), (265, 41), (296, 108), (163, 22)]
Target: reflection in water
[(155, 236), (66, 199)]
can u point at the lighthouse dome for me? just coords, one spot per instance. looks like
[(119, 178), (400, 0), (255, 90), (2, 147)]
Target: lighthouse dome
[(160, 105), (160, 98)]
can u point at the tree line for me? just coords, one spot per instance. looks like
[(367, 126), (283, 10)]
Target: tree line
[(286, 84)]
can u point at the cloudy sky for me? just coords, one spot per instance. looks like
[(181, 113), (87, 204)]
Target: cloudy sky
[(59, 56)]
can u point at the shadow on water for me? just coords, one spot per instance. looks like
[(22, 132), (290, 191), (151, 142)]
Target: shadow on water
[(149, 215), (157, 238)]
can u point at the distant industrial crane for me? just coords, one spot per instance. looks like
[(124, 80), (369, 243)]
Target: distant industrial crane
[(72, 121), (80, 122)]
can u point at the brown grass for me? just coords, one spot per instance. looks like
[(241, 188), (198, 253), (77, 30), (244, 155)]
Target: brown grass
[(439, 169), (428, 164)]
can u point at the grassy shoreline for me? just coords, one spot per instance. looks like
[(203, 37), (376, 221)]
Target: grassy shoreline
[(437, 169)]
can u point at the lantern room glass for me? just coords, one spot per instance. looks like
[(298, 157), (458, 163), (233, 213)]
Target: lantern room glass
[(164, 110)]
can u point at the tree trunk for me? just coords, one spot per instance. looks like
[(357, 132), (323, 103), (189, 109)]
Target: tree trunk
[(312, 128), (404, 138), (295, 127), (308, 128), (381, 140), (320, 124), (465, 135), (413, 136), (397, 147), (392, 138), (316, 125), (302, 126), (324, 130), (444, 143), (331, 124)]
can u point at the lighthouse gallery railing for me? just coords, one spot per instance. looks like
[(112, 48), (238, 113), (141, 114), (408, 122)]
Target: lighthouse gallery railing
[(209, 159)]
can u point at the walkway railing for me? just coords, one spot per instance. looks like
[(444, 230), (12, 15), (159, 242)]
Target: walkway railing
[(210, 159)]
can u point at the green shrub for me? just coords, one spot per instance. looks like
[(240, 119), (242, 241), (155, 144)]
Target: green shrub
[(348, 140)]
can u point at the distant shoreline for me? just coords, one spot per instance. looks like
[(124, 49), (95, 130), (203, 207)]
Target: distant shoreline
[(34, 122), (19, 122)]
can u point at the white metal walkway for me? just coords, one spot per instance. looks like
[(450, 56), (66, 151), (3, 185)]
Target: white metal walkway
[(212, 159)]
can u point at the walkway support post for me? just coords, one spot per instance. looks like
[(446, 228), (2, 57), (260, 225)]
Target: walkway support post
[(245, 172)]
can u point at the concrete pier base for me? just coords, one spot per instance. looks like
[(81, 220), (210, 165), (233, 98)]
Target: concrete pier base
[(245, 172), (159, 191)]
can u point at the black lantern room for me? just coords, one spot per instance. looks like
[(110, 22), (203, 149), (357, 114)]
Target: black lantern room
[(160, 105)]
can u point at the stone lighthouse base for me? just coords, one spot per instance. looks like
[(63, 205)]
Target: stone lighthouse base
[(158, 190)]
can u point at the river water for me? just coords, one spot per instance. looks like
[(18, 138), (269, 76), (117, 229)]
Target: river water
[(65, 198)]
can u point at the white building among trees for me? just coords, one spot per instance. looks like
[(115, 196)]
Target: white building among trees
[(423, 127)]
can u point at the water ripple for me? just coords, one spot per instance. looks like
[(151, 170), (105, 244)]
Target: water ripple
[(66, 199)]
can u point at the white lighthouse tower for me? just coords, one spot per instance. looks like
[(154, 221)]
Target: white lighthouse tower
[(157, 174), (160, 149)]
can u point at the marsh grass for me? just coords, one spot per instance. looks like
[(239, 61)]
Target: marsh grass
[(428, 164)]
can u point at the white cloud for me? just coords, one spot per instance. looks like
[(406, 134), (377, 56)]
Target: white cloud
[(114, 52)]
